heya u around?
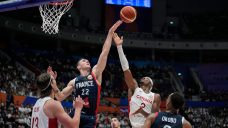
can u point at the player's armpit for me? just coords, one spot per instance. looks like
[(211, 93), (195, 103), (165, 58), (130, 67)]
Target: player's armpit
[(97, 74), (186, 124), (156, 103), (101, 64), (60, 96), (58, 112), (130, 81), (149, 120)]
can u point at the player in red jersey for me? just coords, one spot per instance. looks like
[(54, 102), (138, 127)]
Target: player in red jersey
[(49, 113)]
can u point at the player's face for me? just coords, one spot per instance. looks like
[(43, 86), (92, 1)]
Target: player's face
[(84, 64), (115, 123), (145, 83)]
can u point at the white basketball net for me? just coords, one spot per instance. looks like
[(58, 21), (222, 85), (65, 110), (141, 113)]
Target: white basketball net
[(51, 14)]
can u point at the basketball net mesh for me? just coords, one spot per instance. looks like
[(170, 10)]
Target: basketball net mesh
[(51, 15)]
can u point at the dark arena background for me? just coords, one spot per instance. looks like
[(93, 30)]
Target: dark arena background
[(181, 44)]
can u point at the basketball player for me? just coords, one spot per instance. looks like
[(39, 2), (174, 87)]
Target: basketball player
[(170, 118), (142, 101), (88, 83), (47, 112), (115, 123)]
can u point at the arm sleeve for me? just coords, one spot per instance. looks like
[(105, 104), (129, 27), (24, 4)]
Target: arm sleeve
[(123, 59)]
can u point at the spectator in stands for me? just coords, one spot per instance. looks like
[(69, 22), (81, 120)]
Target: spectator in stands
[(9, 98)]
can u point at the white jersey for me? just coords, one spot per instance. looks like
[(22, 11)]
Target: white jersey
[(39, 118), (142, 100)]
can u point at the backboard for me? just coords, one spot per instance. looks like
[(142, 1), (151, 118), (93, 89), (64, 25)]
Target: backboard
[(8, 5)]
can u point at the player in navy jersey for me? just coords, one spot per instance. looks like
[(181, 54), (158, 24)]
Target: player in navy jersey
[(88, 83), (170, 118)]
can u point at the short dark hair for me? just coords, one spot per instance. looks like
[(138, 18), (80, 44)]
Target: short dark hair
[(44, 84), (177, 100), (79, 61)]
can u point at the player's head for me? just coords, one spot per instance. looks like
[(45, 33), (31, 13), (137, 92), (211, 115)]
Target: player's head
[(45, 83), (146, 83), (175, 101), (115, 123), (83, 64)]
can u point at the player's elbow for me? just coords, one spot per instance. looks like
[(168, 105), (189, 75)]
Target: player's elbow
[(77, 122), (74, 124)]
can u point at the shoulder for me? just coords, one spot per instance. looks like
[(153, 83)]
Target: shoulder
[(157, 96), (186, 124), (137, 90), (72, 82), (53, 105), (95, 71)]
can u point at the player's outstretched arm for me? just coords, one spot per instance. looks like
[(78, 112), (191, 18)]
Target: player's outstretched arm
[(57, 110), (149, 120), (131, 82), (156, 103), (100, 66), (60, 96), (186, 124)]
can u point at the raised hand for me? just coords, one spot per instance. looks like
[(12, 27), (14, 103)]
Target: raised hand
[(118, 41), (115, 26), (51, 72), (78, 103)]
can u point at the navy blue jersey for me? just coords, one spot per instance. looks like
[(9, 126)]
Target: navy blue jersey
[(89, 90), (168, 120)]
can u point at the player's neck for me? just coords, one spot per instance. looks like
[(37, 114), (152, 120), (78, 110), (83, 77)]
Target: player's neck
[(172, 111), (52, 95), (146, 91), (84, 72)]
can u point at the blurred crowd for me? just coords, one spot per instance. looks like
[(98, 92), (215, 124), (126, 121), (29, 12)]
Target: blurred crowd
[(208, 117), (14, 80), (12, 116), (211, 26)]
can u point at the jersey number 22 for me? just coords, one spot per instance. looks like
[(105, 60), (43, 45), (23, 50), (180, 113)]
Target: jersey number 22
[(85, 92)]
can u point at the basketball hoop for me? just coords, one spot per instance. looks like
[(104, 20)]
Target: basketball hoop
[(51, 14)]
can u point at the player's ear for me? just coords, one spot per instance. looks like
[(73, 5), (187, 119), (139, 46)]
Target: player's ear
[(78, 67)]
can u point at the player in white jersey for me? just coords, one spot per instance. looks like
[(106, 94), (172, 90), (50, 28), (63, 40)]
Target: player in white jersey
[(49, 113), (142, 101)]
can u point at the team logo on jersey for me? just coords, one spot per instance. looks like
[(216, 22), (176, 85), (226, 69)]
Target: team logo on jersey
[(89, 77), (86, 104), (144, 99)]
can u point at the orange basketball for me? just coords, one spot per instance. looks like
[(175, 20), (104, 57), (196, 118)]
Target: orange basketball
[(128, 14)]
